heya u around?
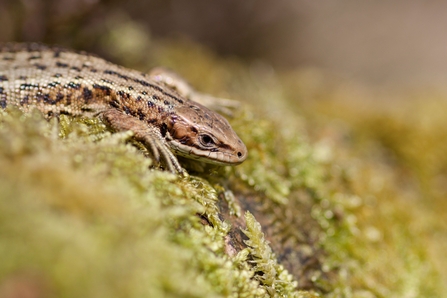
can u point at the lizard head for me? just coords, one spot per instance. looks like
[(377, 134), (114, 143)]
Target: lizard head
[(196, 132)]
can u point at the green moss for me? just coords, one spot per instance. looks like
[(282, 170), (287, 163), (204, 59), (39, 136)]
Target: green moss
[(277, 281), (86, 217), (83, 215)]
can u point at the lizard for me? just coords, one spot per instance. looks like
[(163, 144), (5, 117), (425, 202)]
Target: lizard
[(159, 107)]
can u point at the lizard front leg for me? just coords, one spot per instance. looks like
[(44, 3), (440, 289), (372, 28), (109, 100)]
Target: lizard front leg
[(149, 135)]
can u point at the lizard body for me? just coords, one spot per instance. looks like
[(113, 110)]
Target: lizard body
[(58, 81)]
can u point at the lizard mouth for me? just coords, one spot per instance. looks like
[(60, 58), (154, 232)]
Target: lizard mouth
[(208, 156)]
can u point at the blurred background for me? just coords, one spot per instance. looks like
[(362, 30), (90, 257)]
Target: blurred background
[(363, 81), (386, 43)]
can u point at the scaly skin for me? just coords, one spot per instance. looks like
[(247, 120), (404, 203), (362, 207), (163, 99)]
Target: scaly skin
[(58, 81)]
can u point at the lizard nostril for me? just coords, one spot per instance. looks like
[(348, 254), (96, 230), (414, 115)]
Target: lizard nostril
[(239, 154)]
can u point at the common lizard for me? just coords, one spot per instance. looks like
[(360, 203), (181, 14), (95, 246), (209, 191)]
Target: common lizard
[(157, 107)]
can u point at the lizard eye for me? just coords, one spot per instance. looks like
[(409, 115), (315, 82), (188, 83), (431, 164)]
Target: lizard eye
[(206, 140)]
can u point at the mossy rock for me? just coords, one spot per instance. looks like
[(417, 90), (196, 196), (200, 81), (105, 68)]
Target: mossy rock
[(84, 213)]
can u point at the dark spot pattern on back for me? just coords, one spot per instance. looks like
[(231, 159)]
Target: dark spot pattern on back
[(33, 57), (121, 76), (40, 66), (87, 94), (68, 99), (146, 84), (73, 85), (107, 81), (46, 98), (103, 88), (59, 96), (28, 86), (127, 110), (24, 100), (141, 115), (61, 65), (53, 84), (114, 103)]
